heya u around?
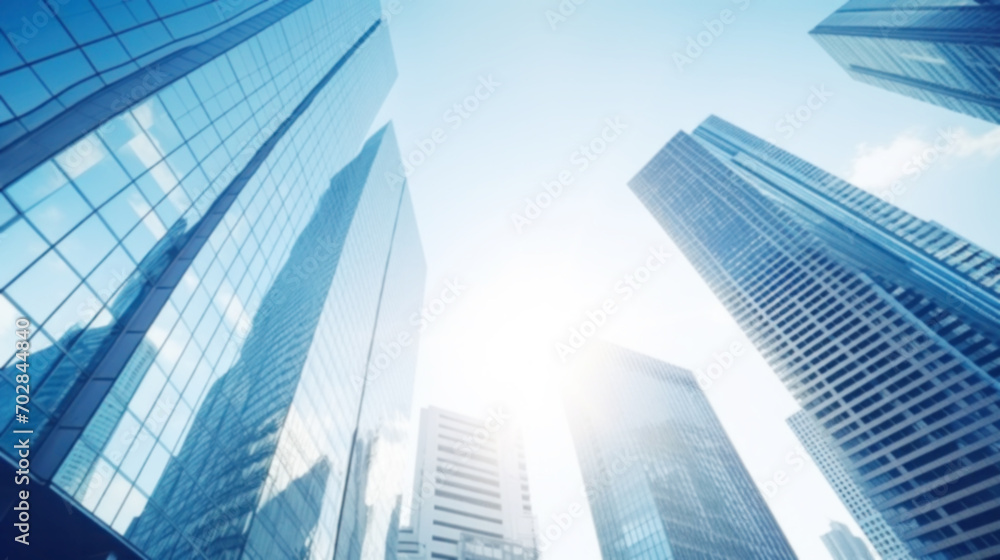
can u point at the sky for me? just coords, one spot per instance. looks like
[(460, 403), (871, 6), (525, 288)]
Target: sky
[(495, 99)]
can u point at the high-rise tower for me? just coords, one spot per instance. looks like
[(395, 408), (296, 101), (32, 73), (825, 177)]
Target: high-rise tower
[(945, 52), (207, 250), (471, 498), (663, 480), (883, 326), (826, 456)]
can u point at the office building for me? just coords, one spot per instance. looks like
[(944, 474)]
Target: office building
[(843, 545), (662, 477), (208, 251), (471, 498), (820, 447), (883, 326), (944, 52), (369, 520)]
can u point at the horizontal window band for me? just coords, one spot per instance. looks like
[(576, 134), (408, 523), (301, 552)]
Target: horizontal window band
[(473, 501), (467, 514), (467, 529)]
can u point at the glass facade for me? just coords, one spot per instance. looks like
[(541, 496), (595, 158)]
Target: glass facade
[(663, 480), (883, 326), (944, 52), (207, 256), (370, 517), (55, 54), (826, 456)]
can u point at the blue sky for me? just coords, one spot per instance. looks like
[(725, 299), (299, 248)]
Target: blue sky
[(529, 95)]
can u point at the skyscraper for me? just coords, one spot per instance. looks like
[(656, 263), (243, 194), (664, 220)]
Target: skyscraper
[(944, 52), (471, 498), (882, 325), (663, 480), (208, 251), (843, 545), (824, 453), (369, 519)]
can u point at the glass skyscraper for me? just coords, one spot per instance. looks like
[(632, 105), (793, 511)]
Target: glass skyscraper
[(663, 480), (369, 519), (944, 52), (883, 326), (827, 457), (209, 253)]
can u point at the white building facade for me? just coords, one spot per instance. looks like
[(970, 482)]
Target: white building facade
[(471, 498)]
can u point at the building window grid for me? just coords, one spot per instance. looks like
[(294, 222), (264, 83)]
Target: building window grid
[(180, 316), (880, 452), (139, 223)]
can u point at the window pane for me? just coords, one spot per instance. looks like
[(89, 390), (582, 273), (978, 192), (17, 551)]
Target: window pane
[(43, 286), (33, 187), (87, 245), (21, 244), (93, 169), (59, 213)]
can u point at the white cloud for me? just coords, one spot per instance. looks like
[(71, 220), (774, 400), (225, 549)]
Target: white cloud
[(912, 152), (880, 166), (987, 145)]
